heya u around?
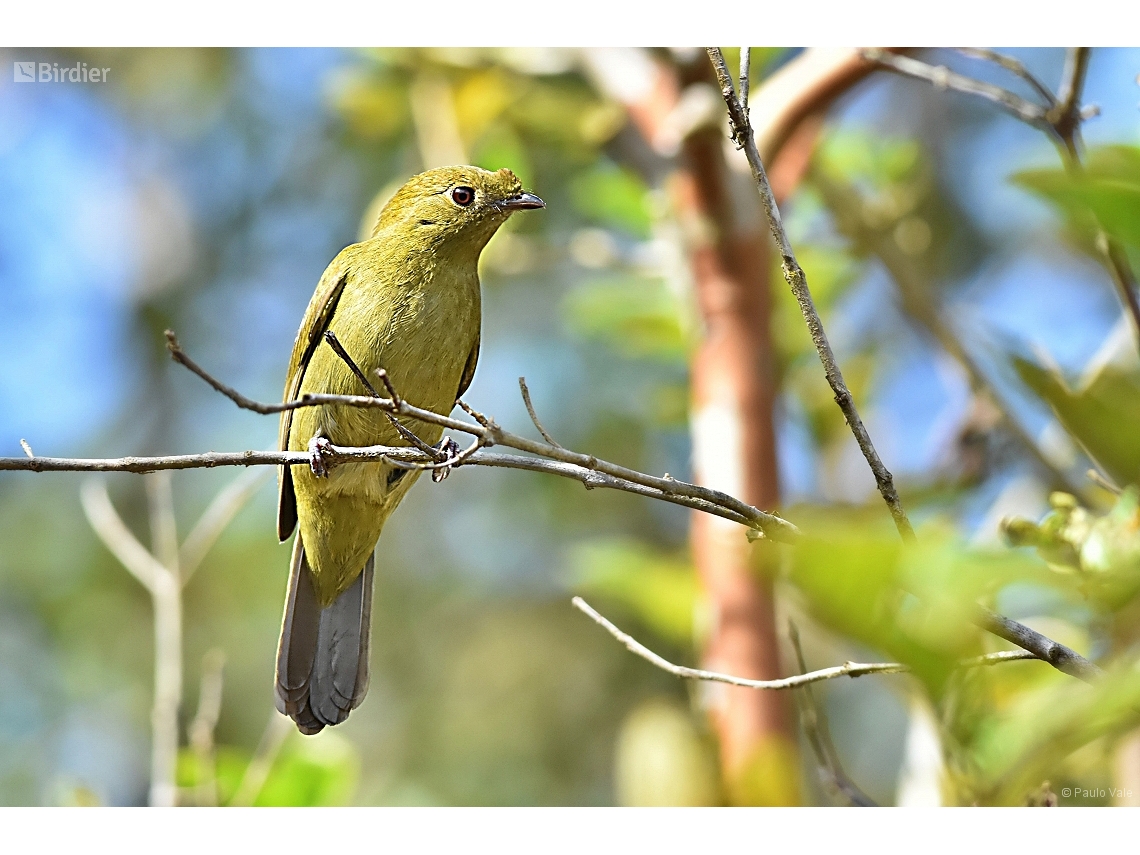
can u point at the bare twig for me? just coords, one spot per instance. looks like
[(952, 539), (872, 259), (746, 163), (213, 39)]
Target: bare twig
[(237, 397), (202, 727), (1062, 658), (403, 431), (337, 455), (533, 415), (166, 593), (943, 78), (1011, 64), (485, 421), (1065, 114), (335, 344), (109, 526), (590, 471), (1103, 482), (446, 462), (219, 514), (163, 528), (847, 669), (987, 659), (743, 137), (27, 448), (486, 430), (167, 596), (818, 735), (387, 381), (276, 732), (745, 72)]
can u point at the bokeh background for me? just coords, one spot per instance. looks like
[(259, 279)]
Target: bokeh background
[(206, 190)]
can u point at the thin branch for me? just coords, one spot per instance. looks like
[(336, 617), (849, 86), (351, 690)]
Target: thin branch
[(334, 343), (943, 78), (110, 528), (987, 659), (1065, 116), (745, 73), (817, 732), (202, 728), (1011, 64), (590, 471), (277, 730), (237, 397), (490, 433), (1045, 648), (1103, 482), (219, 514), (743, 137), (336, 455), (1120, 269), (407, 434), (166, 595), (847, 669), (1062, 658), (533, 415), (163, 528)]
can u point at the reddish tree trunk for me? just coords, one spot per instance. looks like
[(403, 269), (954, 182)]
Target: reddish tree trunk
[(733, 397)]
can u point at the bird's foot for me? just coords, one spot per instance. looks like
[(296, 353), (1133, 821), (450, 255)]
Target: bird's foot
[(318, 448), (447, 451)]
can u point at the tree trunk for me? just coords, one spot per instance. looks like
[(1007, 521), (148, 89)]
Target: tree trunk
[(733, 379), (734, 450)]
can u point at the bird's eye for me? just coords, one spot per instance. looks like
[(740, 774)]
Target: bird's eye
[(463, 196)]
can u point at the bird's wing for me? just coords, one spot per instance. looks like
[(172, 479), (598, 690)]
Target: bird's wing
[(313, 326), (468, 369)]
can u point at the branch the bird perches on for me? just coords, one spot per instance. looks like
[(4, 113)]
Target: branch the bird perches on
[(548, 458)]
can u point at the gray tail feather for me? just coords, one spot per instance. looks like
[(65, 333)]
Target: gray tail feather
[(322, 657)]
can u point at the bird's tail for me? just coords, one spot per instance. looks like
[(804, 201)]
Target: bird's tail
[(322, 657)]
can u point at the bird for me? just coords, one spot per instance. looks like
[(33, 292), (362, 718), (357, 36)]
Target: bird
[(407, 301)]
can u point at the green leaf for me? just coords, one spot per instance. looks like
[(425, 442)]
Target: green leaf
[(1104, 416), (1019, 749), (1108, 189), (913, 603)]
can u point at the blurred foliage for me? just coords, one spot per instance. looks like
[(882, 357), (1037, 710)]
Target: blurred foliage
[(318, 772), (1101, 414), (1105, 192), (660, 590), (637, 317), (1103, 550)]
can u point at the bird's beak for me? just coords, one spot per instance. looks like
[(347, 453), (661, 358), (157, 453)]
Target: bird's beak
[(522, 202)]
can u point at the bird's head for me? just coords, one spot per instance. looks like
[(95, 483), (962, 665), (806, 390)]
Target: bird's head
[(461, 205)]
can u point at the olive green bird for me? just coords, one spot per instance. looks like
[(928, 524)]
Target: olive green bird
[(405, 300)]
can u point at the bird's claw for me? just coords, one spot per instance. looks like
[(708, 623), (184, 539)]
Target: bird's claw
[(447, 451), (318, 448)]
